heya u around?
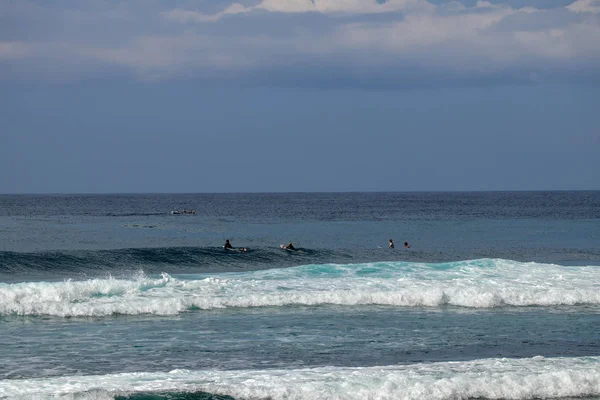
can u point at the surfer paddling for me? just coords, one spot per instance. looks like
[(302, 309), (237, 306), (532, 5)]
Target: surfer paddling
[(228, 246)]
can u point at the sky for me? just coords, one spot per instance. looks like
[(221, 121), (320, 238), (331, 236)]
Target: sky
[(106, 96)]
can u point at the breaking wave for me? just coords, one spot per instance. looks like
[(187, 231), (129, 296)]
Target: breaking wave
[(485, 283), (536, 377)]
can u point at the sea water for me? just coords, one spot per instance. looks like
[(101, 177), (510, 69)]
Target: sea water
[(112, 297)]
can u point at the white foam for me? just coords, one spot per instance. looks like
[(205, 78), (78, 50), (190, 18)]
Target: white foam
[(536, 377), (474, 284)]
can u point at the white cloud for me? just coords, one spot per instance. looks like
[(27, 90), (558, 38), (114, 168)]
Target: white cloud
[(194, 16), (162, 57), (303, 6), (467, 41), (485, 39), (592, 6), (338, 6)]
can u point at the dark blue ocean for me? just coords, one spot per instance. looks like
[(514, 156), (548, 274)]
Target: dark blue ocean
[(113, 297)]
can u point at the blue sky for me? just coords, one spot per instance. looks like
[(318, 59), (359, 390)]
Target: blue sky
[(299, 95)]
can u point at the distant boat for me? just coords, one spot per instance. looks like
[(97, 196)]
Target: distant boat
[(183, 212)]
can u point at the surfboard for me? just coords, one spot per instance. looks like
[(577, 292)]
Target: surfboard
[(237, 250)]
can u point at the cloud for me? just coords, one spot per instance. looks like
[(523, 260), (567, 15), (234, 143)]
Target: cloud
[(592, 6), (185, 16), (152, 57), (339, 6), (474, 40), (302, 6), (296, 40)]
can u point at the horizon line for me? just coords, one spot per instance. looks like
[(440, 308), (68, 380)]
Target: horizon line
[(293, 192)]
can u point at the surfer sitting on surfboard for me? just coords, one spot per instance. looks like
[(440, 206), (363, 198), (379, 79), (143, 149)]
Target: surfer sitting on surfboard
[(391, 245)]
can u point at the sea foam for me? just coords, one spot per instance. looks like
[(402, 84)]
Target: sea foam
[(536, 377), (474, 284)]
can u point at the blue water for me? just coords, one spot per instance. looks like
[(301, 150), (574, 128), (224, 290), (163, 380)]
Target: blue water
[(106, 297)]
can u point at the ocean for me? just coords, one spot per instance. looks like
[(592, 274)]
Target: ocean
[(113, 297)]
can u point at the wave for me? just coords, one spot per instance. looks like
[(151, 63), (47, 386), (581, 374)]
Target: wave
[(485, 283), (152, 260), (536, 377)]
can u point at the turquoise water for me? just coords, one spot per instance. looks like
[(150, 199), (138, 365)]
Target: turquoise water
[(107, 297)]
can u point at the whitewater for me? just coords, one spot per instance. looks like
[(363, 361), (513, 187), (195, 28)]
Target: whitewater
[(485, 283), (536, 377)]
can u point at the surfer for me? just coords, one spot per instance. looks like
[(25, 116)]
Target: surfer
[(406, 245), (391, 245), (227, 245), (290, 246)]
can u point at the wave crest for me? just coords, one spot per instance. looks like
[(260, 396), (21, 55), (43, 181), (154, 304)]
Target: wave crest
[(474, 284), (536, 377)]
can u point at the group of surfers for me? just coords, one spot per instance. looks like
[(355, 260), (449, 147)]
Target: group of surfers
[(228, 246), (290, 246), (391, 244)]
